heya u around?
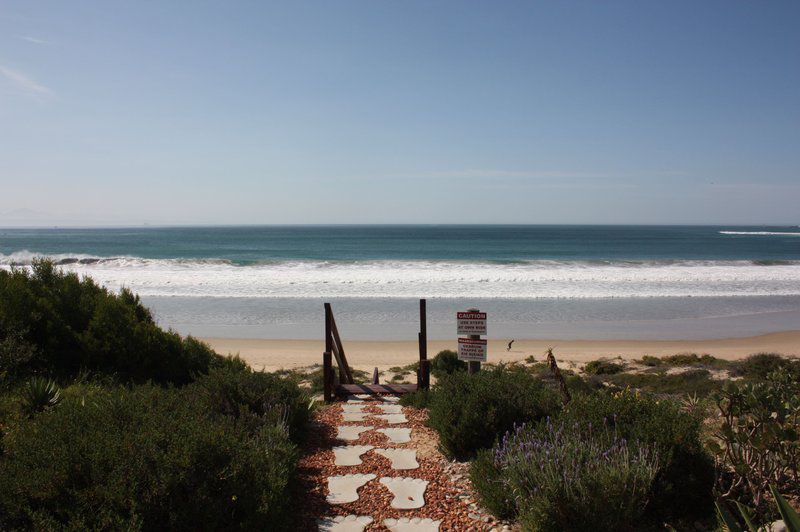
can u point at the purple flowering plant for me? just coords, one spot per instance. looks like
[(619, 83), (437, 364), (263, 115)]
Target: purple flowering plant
[(575, 476)]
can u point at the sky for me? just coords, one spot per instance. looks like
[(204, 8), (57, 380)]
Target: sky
[(652, 112)]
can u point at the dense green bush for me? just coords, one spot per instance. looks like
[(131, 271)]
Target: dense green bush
[(760, 365), (603, 367), (684, 466), (15, 353), (59, 323), (253, 397), (575, 476), (145, 458), (446, 362), (651, 361), (418, 399), (471, 411)]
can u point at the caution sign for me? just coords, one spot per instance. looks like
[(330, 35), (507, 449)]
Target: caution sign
[(471, 323), (472, 349)]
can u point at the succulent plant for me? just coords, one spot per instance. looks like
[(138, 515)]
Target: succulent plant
[(729, 523), (40, 394)]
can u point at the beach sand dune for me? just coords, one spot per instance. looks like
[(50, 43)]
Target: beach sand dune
[(277, 354)]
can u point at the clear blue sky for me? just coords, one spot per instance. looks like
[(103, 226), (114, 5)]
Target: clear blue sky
[(400, 111)]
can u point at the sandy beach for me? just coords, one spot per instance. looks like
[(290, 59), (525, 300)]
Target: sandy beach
[(276, 354)]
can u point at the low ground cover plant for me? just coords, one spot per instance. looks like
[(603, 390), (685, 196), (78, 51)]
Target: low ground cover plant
[(603, 367), (692, 381), (470, 412)]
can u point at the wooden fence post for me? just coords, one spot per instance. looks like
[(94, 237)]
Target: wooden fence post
[(327, 376), (424, 369)]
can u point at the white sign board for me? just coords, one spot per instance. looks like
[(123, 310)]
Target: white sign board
[(472, 350), (471, 323)]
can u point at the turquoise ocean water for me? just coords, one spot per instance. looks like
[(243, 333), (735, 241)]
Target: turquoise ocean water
[(537, 281)]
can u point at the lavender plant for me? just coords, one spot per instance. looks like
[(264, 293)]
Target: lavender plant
[(575, 477)]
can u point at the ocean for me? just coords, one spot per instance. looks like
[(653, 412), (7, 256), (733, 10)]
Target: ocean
[(566, 282)]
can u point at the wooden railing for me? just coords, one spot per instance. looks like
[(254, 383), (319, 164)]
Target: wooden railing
[(334, 350)]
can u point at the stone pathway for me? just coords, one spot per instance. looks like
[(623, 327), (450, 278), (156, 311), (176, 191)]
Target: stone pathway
[(372, 464)]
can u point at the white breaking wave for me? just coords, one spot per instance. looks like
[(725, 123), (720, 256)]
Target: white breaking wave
[(759, 233), (436, 279)]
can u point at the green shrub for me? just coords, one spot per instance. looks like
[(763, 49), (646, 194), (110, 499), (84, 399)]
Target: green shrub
[(758, 440), (758, 366), (254, 397), (695, 381), (471, 411), (577, 384), (693, 359), (418, 399), (684, 466), (15, 353), (489, 484), (575, 476), (603, 367), (651, 361), (446, 362), (63, 324), (681, 359), (144, 458)]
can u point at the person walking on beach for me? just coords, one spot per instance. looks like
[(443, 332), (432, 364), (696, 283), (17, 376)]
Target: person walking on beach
[(509, 345)]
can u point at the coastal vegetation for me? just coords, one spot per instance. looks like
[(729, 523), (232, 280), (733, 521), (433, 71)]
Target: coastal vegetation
[(640, 445), (109, 422)]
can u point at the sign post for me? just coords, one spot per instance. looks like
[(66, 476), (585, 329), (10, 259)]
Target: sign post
[(473, 348)]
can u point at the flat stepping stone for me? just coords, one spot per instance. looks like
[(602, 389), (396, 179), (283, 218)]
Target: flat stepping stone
[(401, 458), (343, 489), (393, 419), (353, 407), (414, 524), (409, 493), (391, 409), (353, 416), (396, 435), (363, 396), (352, 399), (390, 398), (340, 523), (350, 432), (349, 455)]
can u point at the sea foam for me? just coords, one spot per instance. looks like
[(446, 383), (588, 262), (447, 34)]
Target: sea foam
[(433, 279)]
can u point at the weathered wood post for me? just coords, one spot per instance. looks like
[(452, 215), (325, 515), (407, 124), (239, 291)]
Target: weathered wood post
[(424, 370), (327, 363), (327, 376)]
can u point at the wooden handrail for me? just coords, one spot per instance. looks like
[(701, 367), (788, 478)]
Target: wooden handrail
[(338, 343), (333, 344)]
